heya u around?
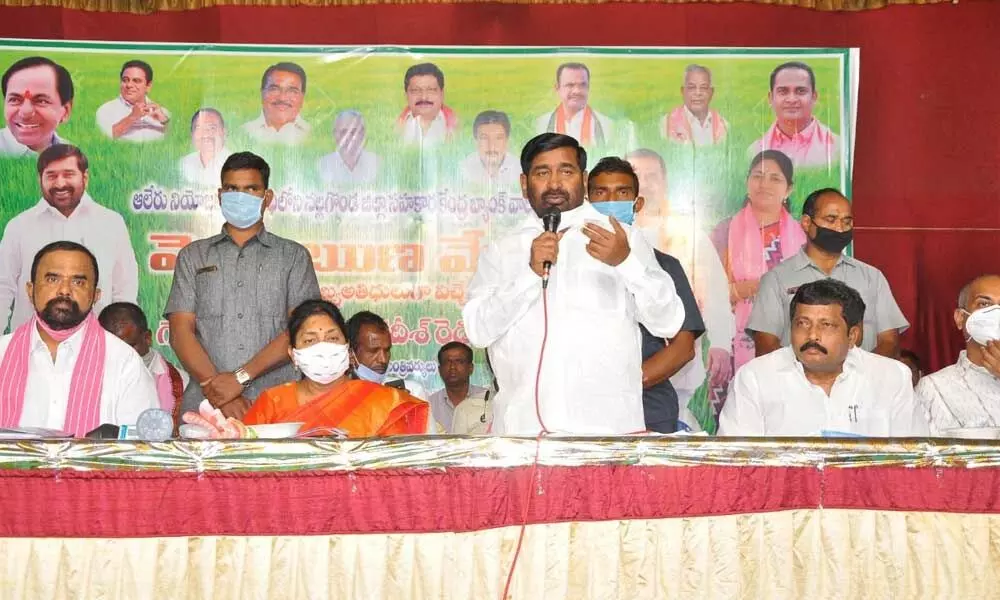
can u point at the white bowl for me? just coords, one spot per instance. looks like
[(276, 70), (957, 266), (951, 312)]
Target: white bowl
[(973, 433), (276, 430)]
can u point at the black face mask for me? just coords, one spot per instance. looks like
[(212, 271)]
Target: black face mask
[(832, 241)]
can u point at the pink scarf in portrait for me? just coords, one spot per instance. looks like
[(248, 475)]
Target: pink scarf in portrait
[(746, 257), (83, 409)]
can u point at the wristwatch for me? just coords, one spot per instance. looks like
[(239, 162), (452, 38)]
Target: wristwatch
[(242, 377)]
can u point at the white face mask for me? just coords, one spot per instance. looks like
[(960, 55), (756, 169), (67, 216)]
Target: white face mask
[(322, 362), (983, 325)]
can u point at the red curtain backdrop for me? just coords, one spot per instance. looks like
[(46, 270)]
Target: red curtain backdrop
[(927, 157)]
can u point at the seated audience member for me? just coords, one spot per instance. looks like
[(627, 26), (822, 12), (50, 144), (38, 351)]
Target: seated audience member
[(128, 323), (823, 384), (351, 164), (613, 189), (911, 360), (455, 365), (326, 397), (475, 415), (967, 393), (829, 225), (132, 115), (371, 344), (61, 370)]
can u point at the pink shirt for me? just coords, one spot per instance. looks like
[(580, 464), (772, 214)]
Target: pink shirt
[(814, 146)]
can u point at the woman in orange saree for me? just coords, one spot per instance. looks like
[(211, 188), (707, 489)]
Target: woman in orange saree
[(326, 398)]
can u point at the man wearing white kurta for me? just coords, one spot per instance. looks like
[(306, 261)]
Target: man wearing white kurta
[(823, 384), (63, 290), (282, 94), (132, 115), (65, 212), (351, 164), (604, 282)]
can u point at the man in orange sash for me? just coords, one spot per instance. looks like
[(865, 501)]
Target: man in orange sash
[(694, 122), (574, 116)]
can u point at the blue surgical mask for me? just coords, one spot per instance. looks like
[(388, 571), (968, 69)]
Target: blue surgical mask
[(623, 210), (240, 209), (368, 375)]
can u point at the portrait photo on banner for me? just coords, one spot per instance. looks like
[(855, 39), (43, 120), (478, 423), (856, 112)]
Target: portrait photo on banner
[(395, 167)]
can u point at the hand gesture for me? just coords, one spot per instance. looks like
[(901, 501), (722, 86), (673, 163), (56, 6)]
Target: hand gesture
[(991, 358), (611, 248), (544, 248), (221, 389)]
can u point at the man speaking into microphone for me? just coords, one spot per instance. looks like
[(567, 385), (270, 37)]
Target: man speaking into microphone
[(603, 281)]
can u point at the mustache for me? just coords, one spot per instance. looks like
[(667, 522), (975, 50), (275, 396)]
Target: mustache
[(557, 194), (281, 103), (424, 103), (808, 345)]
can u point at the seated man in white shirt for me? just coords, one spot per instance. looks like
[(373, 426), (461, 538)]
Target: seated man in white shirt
[(282, 93), (491, 167), (203, 167), (823, 384), (128, 323), (132, 115), (38, 98), (65, 212), (371, 349), (351, 164), (455, 366), (967, 393), (61, 370)]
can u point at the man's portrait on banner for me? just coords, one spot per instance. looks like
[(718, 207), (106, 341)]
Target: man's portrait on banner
[(37, 98), (574, 115), (282, 93), (695, 121), (427, 120), (203, 167), (352, 163), (133, 116), (491, 165)]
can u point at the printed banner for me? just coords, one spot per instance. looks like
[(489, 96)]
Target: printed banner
[(396, 166)]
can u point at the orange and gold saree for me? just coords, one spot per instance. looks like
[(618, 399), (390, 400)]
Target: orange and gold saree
[(360, 408)]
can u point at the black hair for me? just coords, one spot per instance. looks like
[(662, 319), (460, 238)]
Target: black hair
[(64, 83), (247, 160), (809, 207), (455, 346), (138, 64), (613, 164), (288, 67), (206, 111), (491, 117), (573, 66), (311, 308), (64, 246), (831, 291), (784, 163), (551, 141), (423, 69), (360, 319), (116, 314), (58, 152), (794, 65)]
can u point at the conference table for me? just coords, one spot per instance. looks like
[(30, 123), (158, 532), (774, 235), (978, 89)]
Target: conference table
[(473, 517)]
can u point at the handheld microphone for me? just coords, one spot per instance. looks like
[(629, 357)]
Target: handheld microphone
[(550, 221)]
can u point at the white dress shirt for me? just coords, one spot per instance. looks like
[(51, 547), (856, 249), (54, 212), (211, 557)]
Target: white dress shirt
[(442, 408), (475, 173), (472, 417), (9, 146), (144, 130), (290, 134), (102, 231), (872, 397), (574, 126), (127, 390), (961, 395), (196, 173), (413, 133), (334, 171), (591, 379)]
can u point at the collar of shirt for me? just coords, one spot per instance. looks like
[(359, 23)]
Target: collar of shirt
[(128, 104), (569, 218), (159, 364), (694, 121), (969, 370), (9, 144), (813, 132), (67, 347), (801, 261), (44, 208), (297, 123), (263, 236)]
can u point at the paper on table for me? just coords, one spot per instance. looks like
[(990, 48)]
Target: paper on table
[(31, 433)]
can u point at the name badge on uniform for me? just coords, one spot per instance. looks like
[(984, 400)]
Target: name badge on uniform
[(208, 269)]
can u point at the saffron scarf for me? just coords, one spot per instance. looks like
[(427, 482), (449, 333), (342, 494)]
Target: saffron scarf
[(84, 405), (450, 119), (557, 124)]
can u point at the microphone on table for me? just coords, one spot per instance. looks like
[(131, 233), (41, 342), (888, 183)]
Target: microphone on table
[(550, 221)]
